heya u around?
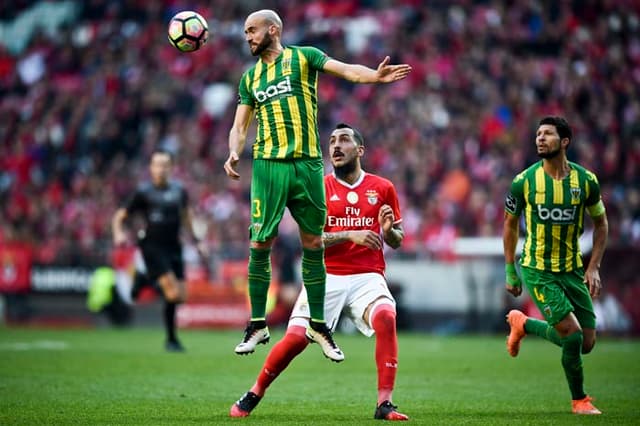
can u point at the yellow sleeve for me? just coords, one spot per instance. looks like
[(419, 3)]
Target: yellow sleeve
[(597, 209)]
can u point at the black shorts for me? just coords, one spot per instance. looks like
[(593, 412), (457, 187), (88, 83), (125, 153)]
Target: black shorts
[(162, 258)]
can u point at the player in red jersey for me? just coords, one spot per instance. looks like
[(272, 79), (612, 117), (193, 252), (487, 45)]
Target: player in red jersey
[(363, 213)]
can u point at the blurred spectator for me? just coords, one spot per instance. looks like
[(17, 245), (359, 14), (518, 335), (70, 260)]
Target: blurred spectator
[(611, 315), (85, 100)]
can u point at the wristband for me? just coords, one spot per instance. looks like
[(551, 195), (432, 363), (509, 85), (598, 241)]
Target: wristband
[(512, 275)]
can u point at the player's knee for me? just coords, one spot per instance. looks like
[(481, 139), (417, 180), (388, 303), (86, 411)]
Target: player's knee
[(309, 241), (295, 338), (175, 295), (568, 326), (587, 345), (172, 297), (261, 245), (589, 340), (298, 326), (384, 320)]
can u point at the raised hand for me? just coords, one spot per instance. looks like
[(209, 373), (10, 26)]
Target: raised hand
[(390, 73), (386, 217)]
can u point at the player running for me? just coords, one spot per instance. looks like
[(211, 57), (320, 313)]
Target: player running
[(553, 194), (163, 203), (281, 91), (363, 212)]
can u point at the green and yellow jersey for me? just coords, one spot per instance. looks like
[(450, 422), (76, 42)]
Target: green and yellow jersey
[(284, 95), (554, 215)]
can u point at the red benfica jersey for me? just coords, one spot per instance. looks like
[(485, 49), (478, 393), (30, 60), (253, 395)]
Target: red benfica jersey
[(355, 207)]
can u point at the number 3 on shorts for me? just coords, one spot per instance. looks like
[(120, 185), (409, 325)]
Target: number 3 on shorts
[(256, 210)]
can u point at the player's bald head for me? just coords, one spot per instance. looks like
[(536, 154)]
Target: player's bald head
[(267, 16)]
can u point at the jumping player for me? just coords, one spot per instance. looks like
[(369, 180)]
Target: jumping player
[(363, 212), (281, 91)]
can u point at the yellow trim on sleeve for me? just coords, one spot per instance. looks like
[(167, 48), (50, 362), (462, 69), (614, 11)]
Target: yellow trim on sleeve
[(597, 209)]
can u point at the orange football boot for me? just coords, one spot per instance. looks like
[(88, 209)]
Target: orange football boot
[(516, 320), (584, 406)]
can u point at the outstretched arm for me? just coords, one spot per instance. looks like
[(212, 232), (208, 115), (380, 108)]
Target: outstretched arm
[(237, 139), (361, 74)]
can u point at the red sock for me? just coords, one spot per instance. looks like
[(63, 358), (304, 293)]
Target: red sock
[(384, 324), (293, 342)]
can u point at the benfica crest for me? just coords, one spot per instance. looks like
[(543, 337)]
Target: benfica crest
[(372, 196)]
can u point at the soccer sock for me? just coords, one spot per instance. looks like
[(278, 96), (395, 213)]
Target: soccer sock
[(572, 364), (140, 279), (293, 342), (384, 324), (259, 280), (314, 276), (170, 320), (542, 329)]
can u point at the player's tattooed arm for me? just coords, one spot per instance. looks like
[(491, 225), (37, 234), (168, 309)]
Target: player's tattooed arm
[(331, 238), (363, 237), (393, 237)]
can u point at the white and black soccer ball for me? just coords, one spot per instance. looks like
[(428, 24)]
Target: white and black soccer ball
[(188, 31)]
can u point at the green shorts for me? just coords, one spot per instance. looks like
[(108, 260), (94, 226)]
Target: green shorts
[(296, 184), (558, 293)]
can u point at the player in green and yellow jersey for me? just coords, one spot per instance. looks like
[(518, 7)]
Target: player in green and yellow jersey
[(281, 91), (553, 195)]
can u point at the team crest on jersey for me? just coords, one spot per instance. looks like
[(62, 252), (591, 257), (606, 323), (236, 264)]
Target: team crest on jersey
[(352, 197), (372, 196), (575, 194), (286, 65)]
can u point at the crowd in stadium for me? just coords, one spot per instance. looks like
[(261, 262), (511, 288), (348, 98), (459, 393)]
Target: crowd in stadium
[(82, 106)]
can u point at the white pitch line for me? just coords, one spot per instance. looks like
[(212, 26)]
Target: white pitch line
[(47, 345)]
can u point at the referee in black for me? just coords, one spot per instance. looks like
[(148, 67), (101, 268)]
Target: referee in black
[(163, 203)]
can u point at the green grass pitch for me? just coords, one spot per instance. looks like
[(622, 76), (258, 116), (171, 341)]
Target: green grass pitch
[(113, 377)]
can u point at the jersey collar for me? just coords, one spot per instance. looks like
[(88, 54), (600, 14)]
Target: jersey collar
[(275, 61), (347, 184)]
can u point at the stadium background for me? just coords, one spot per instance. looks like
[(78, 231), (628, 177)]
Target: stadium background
[(88, 88)]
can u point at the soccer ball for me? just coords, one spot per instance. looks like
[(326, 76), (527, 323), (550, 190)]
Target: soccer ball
[(188, 31)]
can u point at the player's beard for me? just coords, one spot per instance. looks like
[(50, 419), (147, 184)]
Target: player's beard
[(263, 45), (342, 172), (160, 181), (549, 154)]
